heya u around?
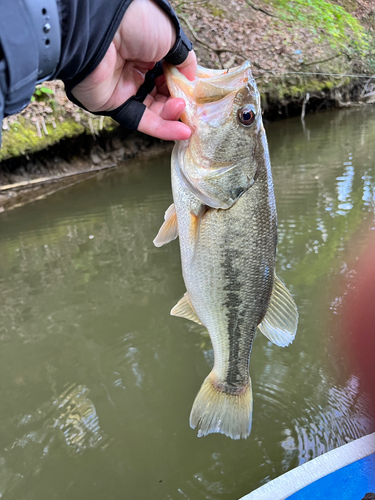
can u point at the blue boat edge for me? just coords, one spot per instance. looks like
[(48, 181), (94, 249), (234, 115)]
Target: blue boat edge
[(353, 460)]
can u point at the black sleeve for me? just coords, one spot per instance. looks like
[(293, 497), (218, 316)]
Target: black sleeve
[(2, 91), (87, 29), (19, 45)]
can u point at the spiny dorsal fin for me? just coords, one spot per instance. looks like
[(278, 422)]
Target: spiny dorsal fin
[(168, 230), (184, 309), (280, 322)]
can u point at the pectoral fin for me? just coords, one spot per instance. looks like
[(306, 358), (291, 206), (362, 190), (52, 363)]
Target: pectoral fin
[(168, 230), (280, 322), (184, 309)]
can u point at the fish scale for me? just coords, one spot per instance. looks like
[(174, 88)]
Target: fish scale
[(232, 246)]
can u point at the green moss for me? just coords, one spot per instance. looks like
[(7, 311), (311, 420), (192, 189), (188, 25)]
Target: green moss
[(216, 12), (278, 90), (22, 137), (327, 20)]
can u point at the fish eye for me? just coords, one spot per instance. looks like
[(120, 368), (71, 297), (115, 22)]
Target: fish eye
[(246, 115)]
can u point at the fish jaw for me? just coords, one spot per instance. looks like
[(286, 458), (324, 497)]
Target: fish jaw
[(180, 86)]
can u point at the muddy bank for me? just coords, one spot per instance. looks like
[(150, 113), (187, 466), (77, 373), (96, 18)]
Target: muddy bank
[(306, 55), (29, 177)]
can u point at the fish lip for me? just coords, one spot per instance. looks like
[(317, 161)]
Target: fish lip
[(223, 73), (172, 74)]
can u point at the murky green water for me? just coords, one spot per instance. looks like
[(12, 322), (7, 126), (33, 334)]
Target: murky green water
[(97, 379)]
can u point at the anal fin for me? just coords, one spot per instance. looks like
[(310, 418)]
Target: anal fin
[(168, 230), (184, 309), (280, 322)]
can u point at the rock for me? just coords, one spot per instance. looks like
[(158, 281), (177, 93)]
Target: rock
[(95, 158), (116, 143)]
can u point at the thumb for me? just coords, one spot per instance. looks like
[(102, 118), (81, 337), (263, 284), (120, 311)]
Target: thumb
[(189, 67)]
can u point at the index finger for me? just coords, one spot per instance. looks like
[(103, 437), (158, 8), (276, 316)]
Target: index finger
[(164, 125)]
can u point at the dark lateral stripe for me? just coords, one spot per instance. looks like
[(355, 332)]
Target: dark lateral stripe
[(235, 315)]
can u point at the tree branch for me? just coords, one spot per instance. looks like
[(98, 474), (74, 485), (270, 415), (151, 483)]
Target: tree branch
[(253, 6), (188, 2), (322, 60)]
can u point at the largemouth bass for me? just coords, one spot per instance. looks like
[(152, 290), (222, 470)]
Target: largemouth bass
[(224, 213)]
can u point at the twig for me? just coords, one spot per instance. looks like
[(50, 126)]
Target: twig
[(339, 101), (44, 126), (5, 125), (369, 94), (365, 87), (305, 101), (183, 3), (250, 4), (210, 47), (320, 105), (188, 24), (92, 130), (368, 98), (45, 180), (38, 131), (322, 61)]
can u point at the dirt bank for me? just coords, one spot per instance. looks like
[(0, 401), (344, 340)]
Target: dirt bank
[(305, 55), (72, 160)]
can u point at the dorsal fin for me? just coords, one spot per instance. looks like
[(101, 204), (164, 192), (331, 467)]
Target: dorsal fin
[(168, 230), (184, 309), (280, 322)]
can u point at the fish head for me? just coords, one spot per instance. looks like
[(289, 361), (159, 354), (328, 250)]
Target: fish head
[(223, 110)]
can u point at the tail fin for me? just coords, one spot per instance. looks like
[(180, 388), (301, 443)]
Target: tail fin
[(217, 411)]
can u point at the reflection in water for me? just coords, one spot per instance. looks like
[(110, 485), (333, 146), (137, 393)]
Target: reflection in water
[(85, 304), (72, 416), (344, 417), (77, 420), (330, 415)]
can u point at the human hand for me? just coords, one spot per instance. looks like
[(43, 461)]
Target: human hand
[(144, 37)]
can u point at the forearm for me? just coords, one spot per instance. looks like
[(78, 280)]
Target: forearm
[(86, 30)]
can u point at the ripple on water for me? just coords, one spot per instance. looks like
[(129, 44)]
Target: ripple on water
[(331, 417)]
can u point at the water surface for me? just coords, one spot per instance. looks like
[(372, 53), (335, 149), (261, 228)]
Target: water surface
[(97, 379)]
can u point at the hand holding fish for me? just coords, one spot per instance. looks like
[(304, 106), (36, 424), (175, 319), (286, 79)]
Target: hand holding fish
[(224, 214), (144, 37)]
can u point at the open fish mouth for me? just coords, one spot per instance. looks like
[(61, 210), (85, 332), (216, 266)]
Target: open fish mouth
[(210, 86)]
